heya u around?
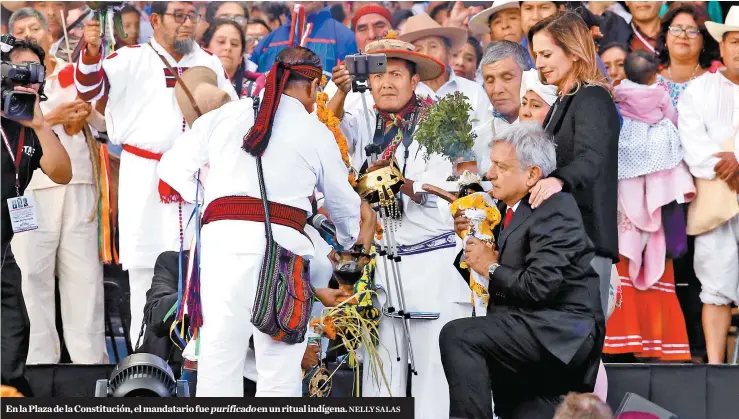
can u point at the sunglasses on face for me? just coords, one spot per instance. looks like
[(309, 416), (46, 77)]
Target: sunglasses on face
[(690, 33), (181, 17)]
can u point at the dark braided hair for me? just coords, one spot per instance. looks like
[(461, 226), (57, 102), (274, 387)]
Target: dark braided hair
[(298, 56)]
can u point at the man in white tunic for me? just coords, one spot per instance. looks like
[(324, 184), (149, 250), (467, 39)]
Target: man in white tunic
[(143, 116), (65, 245), (427, 242), (298, 155), (709, 129)]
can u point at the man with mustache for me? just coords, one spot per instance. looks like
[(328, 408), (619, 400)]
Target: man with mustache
[(137, 83), (426, 241), (708, 121)]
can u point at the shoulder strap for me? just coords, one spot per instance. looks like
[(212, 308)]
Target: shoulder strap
[(262, 187), (179, 80)]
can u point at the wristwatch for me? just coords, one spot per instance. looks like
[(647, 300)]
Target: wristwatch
[(491, 270)]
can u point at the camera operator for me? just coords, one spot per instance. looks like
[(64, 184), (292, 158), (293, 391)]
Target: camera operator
[(27, 145)]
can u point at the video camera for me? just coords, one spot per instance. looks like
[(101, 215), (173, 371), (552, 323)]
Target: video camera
[(360, 66), (18, 105)]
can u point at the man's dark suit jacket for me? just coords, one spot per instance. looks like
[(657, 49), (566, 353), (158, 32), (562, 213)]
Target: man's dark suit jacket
[(586, 128), (159, 300), (546, 281)]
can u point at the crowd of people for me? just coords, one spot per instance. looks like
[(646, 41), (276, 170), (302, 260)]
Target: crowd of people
[(191, 137)]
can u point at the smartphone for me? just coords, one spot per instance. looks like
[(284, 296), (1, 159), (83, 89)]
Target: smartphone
[(362, 65)]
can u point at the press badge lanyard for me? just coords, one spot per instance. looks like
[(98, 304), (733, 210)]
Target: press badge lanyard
[(17, 158)]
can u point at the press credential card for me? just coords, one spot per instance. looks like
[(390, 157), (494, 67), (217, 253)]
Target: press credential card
[(23, 213)]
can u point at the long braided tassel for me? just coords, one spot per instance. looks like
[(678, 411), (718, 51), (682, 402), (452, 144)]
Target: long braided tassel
[(107, 225)]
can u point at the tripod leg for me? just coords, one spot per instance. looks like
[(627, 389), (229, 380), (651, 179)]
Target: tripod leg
[(389, 293), (393, 251)]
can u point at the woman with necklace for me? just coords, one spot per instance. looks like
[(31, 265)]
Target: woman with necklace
[(685, 49)]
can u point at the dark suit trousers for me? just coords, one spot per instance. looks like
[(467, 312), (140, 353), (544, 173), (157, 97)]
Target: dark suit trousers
[(499, 354), (16, 328)]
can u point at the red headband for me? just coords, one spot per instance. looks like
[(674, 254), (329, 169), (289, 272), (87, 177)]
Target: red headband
[(257, 139), (369, 9)]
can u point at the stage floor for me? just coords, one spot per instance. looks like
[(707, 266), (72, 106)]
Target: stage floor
[(690, 391)]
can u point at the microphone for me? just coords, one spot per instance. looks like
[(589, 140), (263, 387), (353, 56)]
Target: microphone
[(322, 224)]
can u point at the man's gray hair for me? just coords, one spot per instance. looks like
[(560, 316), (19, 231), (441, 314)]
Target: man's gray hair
[(24, 13), (498, 50), (534, 146)]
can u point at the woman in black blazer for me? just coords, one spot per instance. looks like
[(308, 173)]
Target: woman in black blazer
[(585, 124)]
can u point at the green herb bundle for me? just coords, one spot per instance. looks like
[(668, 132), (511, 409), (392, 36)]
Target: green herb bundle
[(445, 128)]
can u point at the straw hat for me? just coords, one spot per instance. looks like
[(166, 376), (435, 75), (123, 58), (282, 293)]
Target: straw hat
[(718, 30), (203, 84), (480, 23), (422, 26), (428, 68)]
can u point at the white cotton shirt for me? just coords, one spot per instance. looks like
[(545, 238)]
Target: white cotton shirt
[(476, 95), (142, 112), (485, 134), (76, 145), (708, 115), (302, 156)]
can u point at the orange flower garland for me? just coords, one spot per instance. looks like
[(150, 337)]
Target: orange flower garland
[(332, 122)]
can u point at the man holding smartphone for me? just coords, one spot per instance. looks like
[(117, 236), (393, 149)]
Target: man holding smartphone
[(426, 243)]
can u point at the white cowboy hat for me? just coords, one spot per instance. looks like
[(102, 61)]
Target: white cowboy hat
[(718, 30), (422, 26), (480, 23), (428, 68)]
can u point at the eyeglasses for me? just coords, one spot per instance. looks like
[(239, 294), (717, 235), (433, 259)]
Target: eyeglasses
[(690, 33), (180, 17), (253, 39), (241, 20)]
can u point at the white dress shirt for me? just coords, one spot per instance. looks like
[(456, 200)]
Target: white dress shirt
[(476, 96), (485, 133), (708, 114), (302, 155)]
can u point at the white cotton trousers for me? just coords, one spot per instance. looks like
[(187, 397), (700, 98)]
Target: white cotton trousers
[(65, 246), (228, 281), (139, 282), (429, 279), (717, 263)]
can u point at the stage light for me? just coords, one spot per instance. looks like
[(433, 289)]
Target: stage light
[(142, 375)]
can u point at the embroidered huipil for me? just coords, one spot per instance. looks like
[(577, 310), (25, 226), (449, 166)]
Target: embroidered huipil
[(302, 156), (142, 112)]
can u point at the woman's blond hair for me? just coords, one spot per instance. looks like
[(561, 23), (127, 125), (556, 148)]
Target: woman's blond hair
[(570, 33)]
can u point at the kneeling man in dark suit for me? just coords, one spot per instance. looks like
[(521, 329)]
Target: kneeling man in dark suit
[(543, 333)]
